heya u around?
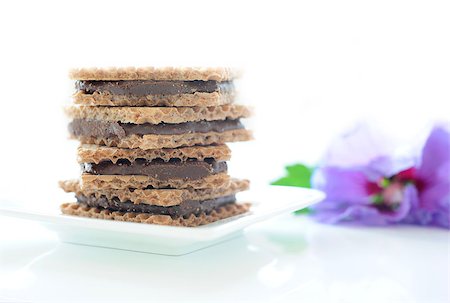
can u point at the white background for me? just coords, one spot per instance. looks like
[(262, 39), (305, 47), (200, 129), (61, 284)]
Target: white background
[(311, 69)]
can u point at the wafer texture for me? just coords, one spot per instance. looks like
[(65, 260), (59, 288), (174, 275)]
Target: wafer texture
[(155, 73), (98, 182), (89, 153), (195, 99), (220, 213), (159, 197), (156, 115), (147, 142)]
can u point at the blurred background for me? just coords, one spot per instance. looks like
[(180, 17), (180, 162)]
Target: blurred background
[(311, 70)]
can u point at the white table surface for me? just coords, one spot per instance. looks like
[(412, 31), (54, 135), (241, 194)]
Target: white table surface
[(287, 259)]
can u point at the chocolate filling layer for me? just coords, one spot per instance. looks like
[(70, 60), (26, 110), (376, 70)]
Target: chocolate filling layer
[(173, 169), (184, 209), (105, 129), (139, 88)]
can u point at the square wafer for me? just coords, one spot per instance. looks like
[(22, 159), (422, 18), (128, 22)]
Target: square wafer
[(150, 86)]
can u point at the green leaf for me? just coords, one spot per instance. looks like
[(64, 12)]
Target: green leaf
[(303, 211), (298, 175)]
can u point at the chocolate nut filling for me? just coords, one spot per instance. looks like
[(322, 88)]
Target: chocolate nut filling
[(184, 209), (173, 169), (105, 129), (139, 88)]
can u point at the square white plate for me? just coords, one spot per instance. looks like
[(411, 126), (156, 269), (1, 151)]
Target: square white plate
[(267, 202)]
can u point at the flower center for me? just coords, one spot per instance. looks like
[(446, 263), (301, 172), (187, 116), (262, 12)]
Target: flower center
[(387, 193), (393, 194)]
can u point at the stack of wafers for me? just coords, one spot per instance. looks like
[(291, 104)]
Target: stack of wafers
[(153, 145)]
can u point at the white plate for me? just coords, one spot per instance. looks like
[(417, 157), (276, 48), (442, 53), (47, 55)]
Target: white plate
[(267, 202)]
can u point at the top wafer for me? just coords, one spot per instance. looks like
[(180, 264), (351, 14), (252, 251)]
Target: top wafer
[(155, 73)]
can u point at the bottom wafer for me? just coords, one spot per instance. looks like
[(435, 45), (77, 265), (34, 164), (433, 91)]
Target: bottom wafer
[(220, 213)]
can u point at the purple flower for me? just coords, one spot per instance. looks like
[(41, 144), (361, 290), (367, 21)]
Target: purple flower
[(366, 182)]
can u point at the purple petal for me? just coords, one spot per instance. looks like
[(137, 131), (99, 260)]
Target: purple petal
[(340, 184), (436, 217), (442, 218), (386, 167), (357, 147), (435, 190), (436, 153), (434, 180), (335, 211), (350, 214)]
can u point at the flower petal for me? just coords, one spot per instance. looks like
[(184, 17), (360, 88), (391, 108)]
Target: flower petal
[(357, 147), (350, 214), (439, 216), (341, 184), (434, 193), (436, 153), (386, 167), (434, 179), (335, 211)]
